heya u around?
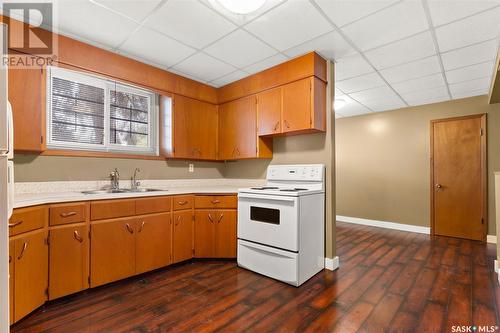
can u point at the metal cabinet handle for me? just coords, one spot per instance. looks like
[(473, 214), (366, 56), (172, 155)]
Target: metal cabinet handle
[(182, 203), (276, 126), (25, 245), (439, 186), (179, 217), (129, 228), (10, 259), (196, 151), (142, 226), (237, 151), (68, 214), (286, 124), (77, 236), (215, 201), (220, 218), (210, 218), (15, 224)]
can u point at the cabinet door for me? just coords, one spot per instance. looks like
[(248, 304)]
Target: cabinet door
[(238, 129), (269, 112), (182, 236), (112, 254), (12, 273), (25, 95), (31, 273), (153, 242), (297, 106), (204, 233), (68, 260), (225, 234), (195, 129)]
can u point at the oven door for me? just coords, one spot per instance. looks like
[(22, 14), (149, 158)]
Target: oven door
[(269, 220)]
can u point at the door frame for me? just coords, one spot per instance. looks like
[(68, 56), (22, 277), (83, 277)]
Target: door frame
[(484, 168)]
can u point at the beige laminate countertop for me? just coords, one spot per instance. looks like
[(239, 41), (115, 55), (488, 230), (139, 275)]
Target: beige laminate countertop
[(32, 199)]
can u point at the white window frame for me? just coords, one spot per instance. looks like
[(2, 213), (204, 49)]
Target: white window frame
[(107, 85)]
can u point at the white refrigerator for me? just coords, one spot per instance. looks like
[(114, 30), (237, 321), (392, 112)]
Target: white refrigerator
[(6, 182)]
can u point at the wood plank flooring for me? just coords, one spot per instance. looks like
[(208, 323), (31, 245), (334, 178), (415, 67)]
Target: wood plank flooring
[(388, 281)]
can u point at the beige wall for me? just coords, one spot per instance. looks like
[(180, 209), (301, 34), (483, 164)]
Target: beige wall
[(383, 167), (52, 168)]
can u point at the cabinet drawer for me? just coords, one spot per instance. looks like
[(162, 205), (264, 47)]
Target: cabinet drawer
[(216, 201), (153, 205), (27, 219), (66, 213), (183, 202), (107, 209)]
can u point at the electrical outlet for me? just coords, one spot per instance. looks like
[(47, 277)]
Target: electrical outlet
[(191, 167)]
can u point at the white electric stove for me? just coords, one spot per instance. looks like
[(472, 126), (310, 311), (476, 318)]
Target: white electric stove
[(281, 225)]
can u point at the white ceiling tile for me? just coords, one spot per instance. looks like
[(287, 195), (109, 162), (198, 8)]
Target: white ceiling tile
[(412, 70), (360, 83), (421, 83), (365, 96), (240, 49), (428, 100), (470, 72), (470, 55), (290, 24), (172, 70), (474, 29), (401, 20), (190, 22), (472, 85), (338, 93), (155, 47), (444, 11), (204, 67), (425, 94), (470, 93), (351, 66), (266, 63), (226, 79), (379, 105), (342, 12), (331, 46), (92, 22), (403, 51), (135, 9), (352, 108)]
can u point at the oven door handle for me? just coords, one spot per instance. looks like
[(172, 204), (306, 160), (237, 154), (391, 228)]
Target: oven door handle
[(266, 197)]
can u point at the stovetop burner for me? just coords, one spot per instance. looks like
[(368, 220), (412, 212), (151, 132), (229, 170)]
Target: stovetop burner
[(265, 188)]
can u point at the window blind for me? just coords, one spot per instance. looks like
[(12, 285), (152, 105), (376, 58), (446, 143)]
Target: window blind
[(129, 119)]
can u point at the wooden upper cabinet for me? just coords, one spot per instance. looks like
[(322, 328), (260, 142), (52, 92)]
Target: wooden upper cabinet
[(113, 251), (238, 131), (304, 106), (182, 238), (269, 112), (153, 242), (195, 129), (26, 94), (68, 260), (31, 273)]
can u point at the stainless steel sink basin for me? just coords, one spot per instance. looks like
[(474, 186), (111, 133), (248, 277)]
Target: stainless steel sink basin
[(108, 191)]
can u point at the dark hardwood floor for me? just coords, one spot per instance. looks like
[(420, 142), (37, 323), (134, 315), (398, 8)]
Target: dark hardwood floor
[(388, 281)]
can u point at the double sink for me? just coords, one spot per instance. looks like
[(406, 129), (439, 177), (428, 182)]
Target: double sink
[(128, 190)]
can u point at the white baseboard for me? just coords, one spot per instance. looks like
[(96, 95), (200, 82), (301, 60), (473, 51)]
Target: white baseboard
[(384, 224), (491, 239), (332, 264)]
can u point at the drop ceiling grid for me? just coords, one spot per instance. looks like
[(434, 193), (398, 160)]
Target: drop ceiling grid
[(229, 71)]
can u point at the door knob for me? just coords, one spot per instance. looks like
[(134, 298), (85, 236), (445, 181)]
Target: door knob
[(438, 186)]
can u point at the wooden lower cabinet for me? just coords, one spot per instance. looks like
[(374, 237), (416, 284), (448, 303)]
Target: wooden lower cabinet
[(68, 260), (153, 242), (182, 238), (113, 250), (12, 274), (215, 234), (30, 273)]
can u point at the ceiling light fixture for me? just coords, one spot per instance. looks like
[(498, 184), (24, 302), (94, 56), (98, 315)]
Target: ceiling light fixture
[(241, 7), (339, 104)]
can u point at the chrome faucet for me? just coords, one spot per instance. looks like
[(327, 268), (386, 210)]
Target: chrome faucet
[(115, 179), (134, 181)]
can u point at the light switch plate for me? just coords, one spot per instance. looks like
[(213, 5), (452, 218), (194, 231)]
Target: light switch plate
[(191, 167)]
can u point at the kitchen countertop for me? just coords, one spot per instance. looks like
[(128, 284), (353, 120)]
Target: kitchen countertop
[(47, 193)]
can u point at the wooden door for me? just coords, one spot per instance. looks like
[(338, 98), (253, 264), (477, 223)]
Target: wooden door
[(26, 97), (238, 129), (458, 179), (225, 234), (204, 233), (195, 129), (31, 273), (68, 260), (269, 112), (182, 246), (297, 106), (112, 254), (12, 274), (153, 243)]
